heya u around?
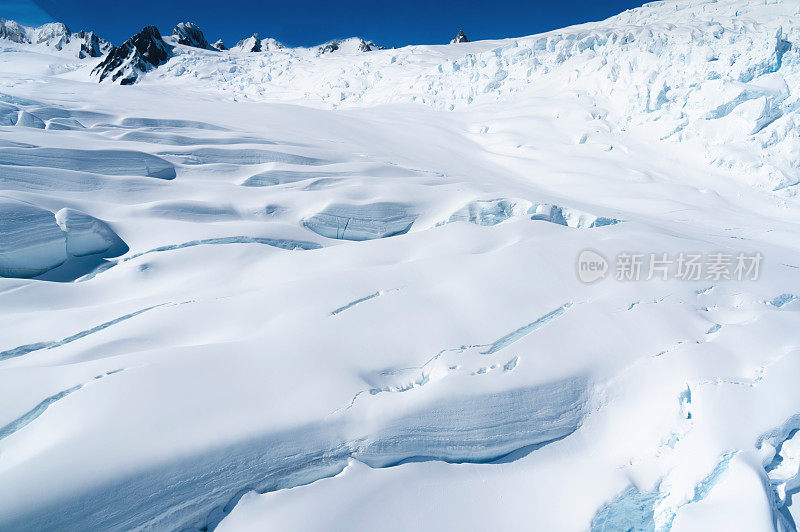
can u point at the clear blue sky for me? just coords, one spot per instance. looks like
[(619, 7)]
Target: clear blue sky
[(309, 22)]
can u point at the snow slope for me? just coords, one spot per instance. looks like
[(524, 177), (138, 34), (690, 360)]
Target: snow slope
[(297, 290)]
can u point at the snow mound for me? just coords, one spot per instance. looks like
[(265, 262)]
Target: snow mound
[(35, 240), (569, 217), (247, 156), (362, 222), (271, 178), (31, 242), (490, 212), (493, 212), (106, 162), (87, 235)]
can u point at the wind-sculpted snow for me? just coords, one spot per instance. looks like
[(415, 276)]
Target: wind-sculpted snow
[(35, 240), (480, 429), (198, 491), (31, 242), (344, 283), (685, 71), (167, 123), (493, 212), (490, 212), (48, 113), (185, 140), (280, 177), (64, 124), (190, 210), (9, 114), (241, 156), (25, 178), (106, 162), (26, 119), (362, 222), (87, 235)]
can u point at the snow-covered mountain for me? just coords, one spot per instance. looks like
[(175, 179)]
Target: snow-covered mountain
[(189, 34), (140, 53), (55, 36), (351, 45), (460, 37), (255, 43), (342, 287)]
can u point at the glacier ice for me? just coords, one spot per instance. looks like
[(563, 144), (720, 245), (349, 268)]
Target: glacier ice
[(362, 222), (31, 241), (274, 287)]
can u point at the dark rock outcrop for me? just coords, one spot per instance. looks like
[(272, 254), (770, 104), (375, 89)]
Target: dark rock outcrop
[(367, 46), (91, 44), (219, 45), (460, 37), (348, 45), (150, 45), (328, 47), (138, 54), (189, 34)]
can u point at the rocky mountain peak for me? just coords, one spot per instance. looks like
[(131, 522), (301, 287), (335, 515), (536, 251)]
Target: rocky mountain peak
[(460, 37), (55, 35), (189, 34), (251, 44), (138, 54)]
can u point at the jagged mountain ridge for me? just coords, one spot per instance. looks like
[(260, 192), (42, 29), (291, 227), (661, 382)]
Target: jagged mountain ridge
[(57, 36), (148, 49), (138, 54), (460, 37), (255, 43), (188, 34)]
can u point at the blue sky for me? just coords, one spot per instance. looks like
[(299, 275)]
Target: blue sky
[(314, 21)]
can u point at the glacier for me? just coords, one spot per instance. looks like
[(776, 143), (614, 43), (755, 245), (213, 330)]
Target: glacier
[(335, 287)]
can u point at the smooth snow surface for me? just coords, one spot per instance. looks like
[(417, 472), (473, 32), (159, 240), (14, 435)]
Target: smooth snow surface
[(311, 289)]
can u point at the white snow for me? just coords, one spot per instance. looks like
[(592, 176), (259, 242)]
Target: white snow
[(337, 291), (31, 241)]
